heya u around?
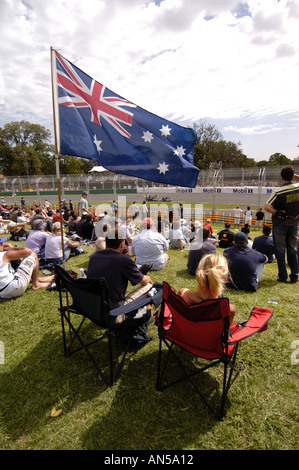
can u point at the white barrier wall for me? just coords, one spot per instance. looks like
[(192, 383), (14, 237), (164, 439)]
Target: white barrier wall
[(209, 190)]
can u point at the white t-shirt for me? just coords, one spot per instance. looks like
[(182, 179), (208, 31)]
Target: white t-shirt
[(6, 272), (149, 247), (53, 246)]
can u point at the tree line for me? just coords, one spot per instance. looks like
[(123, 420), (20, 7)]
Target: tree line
[(26, 149)]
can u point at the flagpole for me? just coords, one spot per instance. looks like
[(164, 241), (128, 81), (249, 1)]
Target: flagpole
[(57, 150), (56, 139)]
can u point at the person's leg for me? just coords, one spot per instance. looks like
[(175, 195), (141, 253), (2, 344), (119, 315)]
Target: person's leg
[(37, 281), (259, 271), (27, 271), (279, 238), (292, 255)]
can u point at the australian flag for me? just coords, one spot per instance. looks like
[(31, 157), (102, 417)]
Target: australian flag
[(97, 124)]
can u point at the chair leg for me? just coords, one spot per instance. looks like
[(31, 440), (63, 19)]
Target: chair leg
[(227, 381), (227, 377), (84, 347)]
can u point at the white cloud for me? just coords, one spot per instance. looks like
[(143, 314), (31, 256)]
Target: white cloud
[(182, 59)]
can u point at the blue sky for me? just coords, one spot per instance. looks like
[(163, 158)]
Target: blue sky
[(234, 64)]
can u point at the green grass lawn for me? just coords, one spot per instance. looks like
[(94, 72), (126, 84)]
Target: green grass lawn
[(262, 408)]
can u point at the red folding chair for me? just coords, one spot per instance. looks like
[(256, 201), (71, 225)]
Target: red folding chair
[(203, 330)]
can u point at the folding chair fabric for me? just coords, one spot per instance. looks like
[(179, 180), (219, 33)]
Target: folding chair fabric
[(89, 299), (203, 330)]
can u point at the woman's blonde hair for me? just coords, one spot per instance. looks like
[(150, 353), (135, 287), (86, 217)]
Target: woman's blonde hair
[(56, 228), (211, 275)]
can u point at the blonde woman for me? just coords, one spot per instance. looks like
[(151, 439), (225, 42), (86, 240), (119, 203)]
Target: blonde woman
[(211, 276)]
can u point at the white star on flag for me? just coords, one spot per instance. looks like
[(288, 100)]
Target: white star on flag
[(97, 143), (163, 168), (180, 151), (165, 130), (147, 136)]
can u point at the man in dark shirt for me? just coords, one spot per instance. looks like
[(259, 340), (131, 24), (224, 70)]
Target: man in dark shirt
[(85, 227), (264, 243), (118, 269), (226, 237), (245, 264), (198, 249), (283, 204), (259, 218)]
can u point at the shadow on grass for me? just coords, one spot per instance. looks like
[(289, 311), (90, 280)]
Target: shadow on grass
[(139, 417), (44, 379), (142, 418)]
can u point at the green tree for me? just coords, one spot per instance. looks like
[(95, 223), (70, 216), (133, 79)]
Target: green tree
[(211, 147), (26, 149), (207, 135), (278, 159), (23, 148)]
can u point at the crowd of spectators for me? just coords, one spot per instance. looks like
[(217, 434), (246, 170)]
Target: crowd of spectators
[(127, 248)]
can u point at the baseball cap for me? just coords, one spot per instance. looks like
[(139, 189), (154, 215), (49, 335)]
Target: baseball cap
[(147, 221), (240, 237)]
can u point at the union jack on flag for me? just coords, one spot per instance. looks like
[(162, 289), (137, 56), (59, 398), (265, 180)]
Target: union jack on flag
[(97, 124)]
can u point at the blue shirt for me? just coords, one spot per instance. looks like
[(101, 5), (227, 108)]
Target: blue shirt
[(264, 245), (242, 263)]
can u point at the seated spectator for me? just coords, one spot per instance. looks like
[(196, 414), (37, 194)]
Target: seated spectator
[(245, 265), (128, 240), (185, 229), (118, 269), (73, 222), (14, 282), (103, 219), (211, 276), (226, 237), (194, 230), (56, 217), (17, 230), (246, 230), (53, 248), (39, 214), (101, 241), (208, 224), (264, 243), (13, 213), (175, 236), (3, 225), (21, 217), (198, 249), (36, 239), (149, 246), (85, 227)]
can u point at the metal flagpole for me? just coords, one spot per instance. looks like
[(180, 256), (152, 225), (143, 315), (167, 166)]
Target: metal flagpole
[(57, 149), (57, 140)]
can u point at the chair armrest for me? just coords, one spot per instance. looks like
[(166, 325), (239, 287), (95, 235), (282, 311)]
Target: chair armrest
[(140, 302), (257, 322)]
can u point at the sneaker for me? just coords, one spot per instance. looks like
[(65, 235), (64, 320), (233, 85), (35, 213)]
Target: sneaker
[(145, 268)]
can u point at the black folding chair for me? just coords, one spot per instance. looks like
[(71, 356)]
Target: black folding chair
[(203, 331), (88, 298)]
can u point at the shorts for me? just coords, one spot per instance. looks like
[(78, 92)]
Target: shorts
[(22, 278)]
